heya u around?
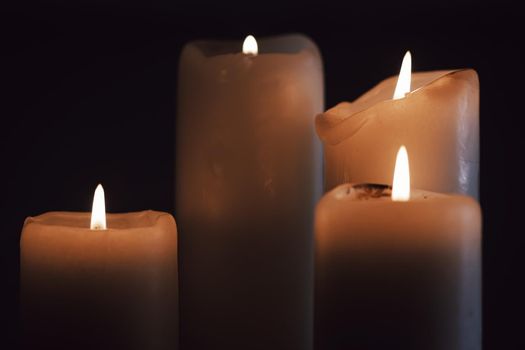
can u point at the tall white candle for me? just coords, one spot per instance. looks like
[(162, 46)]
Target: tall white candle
[(248, 174)]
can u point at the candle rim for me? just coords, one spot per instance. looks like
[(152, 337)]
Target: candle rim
[(347, 192), (327, 123), (234, 47), (80, 220)]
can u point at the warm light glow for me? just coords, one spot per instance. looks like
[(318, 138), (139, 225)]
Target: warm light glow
[(401, 183), (249, 46), (405, 75), (98, 213)]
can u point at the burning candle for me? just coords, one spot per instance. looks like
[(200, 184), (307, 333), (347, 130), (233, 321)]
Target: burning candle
[(96, 286), (435, 114), (397, 269), (248, 175)]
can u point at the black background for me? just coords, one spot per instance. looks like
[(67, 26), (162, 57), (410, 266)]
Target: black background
[(88, 96)]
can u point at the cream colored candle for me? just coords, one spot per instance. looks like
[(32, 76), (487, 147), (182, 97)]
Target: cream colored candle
[(248, 175), (400, 274), (101, 288), (438, 120)]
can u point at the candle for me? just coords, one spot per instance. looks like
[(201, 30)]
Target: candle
[(99, 287), (435, 114), (248, 175), (397, 269)]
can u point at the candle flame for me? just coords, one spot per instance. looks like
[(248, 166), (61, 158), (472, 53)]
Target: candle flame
[(401, 183), (405, 75), (98, 212), (249, 46)]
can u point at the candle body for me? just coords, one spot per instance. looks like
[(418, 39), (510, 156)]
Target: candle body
[(438, 121), (248, 175), (99, 289), (398, 275)]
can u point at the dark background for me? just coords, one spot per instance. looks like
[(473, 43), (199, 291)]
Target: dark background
[(88, 96)]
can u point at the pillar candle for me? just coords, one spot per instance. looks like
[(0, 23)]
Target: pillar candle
[(248, 175), (397, 274), (438, 120), (113, 288)]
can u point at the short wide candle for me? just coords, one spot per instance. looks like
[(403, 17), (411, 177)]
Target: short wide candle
[(397, 274), (113, 288)]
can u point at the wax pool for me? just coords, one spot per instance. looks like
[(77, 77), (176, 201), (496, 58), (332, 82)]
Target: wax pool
[(99, 289)]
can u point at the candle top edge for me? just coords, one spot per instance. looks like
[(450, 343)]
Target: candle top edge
[(370, 192), (280, 44), (81, 220), (355, 114)]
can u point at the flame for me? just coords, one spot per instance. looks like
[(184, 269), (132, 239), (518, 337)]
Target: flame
[(98, 213), (249, 46), (401, 183), (405, 75)]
